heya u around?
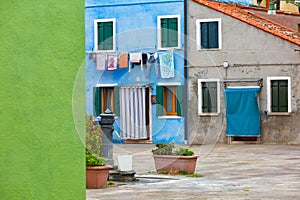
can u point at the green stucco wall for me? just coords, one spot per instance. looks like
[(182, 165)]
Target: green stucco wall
[(41, 51)]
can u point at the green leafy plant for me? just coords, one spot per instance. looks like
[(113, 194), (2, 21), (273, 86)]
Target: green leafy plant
[(183, 152), (93, 137), (92, 160), (164, 149), (93, 143), (169, 149)]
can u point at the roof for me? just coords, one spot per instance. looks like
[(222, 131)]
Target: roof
[(252, 19)]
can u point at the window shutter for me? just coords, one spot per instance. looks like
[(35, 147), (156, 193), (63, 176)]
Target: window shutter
[(108, 35), (283, 96), (105, 35), (204, 35), (164, 32), (213, 39), (212, 92), (159, 100), (100, 36), (97, 101), (173, 32), (116, 101), (205, 97), (180, 100)]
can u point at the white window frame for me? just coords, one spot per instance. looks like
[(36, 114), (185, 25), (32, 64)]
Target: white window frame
[(159, 31), (198, 33), (96, 21), (269, 96), (200, 81)]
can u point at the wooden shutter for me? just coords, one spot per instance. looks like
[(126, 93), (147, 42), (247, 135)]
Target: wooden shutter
[(164, 32), (159, 100), (173, 32), (116, 101), (279, 95), (105, 35), (97, 101), (213, 38), (283, 96), (180, 100), (204, 35), (209, 97)]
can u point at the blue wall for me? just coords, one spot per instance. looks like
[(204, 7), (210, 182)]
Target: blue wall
[(136, 28)]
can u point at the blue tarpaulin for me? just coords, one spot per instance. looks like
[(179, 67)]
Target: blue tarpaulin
[(242, 112)]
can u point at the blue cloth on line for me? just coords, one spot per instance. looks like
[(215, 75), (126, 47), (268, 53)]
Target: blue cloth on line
[(242, 112)]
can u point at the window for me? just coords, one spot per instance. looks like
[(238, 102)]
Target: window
[(208, 96), (208, 34), (279, 94), (169, 99), (104, 35), (168, 31), (106, 97)]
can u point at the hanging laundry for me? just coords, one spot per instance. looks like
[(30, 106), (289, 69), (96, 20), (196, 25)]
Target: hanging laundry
[(112, 61), (152, 59), (123, 62), (166, 61), (100, 61), (136, 58)]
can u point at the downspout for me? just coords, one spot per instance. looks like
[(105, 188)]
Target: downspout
[(186, 128)]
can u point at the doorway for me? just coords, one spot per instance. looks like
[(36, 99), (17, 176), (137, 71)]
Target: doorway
[(135, 114)]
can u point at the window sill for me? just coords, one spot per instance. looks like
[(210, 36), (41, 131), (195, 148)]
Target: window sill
[(208, 114), (208, 49), (279, 113), (169, 117)]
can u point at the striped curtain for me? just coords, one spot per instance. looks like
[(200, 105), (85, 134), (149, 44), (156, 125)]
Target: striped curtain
[(133, 113)]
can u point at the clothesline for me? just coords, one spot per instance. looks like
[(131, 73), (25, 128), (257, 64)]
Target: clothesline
[(161, 61)]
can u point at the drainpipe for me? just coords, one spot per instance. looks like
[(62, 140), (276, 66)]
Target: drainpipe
[(186, 128)]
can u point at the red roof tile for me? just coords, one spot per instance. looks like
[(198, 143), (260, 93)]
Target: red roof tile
[(252, 19)]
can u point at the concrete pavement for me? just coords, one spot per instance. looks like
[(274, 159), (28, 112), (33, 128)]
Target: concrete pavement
[(237, 171)]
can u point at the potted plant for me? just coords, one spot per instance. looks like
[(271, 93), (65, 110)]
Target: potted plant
[(96, 168), (167, 159)]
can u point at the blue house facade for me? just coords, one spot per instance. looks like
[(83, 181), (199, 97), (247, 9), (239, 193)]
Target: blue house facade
[(135, 67)]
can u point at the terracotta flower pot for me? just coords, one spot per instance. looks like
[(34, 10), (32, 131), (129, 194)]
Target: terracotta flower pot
[(96, 176), (170, 163)]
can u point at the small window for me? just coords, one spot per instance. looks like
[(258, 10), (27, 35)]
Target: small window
[(104, 35), (169, 100), (208, 34), (168, 31), (208, 96), (106, 97), (279, 94)]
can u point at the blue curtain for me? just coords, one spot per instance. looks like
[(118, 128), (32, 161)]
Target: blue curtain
[(242, 112)]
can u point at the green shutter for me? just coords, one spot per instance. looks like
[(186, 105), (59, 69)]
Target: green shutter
[(116, 101), (209, 97), (159, 100), (212, 88), (204, 35), (279, 96), (274, 96), (205, 97), (213, 39), (105, 35), (283, 95), (173, 32), (164, 32), (97, 101), (180, 100)]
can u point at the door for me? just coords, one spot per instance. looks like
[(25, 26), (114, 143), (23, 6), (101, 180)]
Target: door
[(242, 111), (135, 113)]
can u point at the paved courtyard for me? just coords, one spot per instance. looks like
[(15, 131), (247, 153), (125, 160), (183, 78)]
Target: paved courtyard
[(237, 171)]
